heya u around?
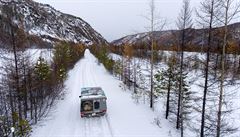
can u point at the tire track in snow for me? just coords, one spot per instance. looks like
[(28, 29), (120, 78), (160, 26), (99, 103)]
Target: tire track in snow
[(98, 125), (77, 123), (93, 72), (94, 78), (76, 103), (66, 120), (109, 125), (93, 126), (100, 119), (83, 83)]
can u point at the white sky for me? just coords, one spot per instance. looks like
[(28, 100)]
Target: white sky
[(117, 18)]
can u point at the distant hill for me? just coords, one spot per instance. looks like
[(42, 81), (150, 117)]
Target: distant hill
[(168, 38)]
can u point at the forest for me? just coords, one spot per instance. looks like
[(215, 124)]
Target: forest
[(195, 85), (190, 80)]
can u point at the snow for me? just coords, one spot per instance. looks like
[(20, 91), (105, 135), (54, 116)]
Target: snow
[(34, 54), (92, 97), (124, 118), (92, 92), (47, 54), (46, 22), (195, 78)]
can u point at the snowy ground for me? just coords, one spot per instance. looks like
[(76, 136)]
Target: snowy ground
[(196, 79), (47, 54), (124, 118), (34, 54)]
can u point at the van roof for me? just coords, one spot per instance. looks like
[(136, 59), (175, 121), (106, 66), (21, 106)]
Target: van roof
[(92, 92)]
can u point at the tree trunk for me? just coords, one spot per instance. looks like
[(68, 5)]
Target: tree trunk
[(135, 76), (205, 96), (25, 91), (206, 71), (35, 109), (222, 71), (180, 92), (152, 44), (168, 97), (31, 96), (17, 85)]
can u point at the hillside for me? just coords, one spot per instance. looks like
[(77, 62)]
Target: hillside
[(50, 25), (168, 38)]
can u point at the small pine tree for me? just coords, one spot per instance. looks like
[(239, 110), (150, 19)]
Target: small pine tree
[(187, 98), (62, 73), (42, 69), (22, 127), (62, 60), (166, 83), (4, 126), (118, 68), (109, 64)]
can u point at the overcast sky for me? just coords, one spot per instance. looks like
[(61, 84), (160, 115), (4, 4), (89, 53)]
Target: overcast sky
[(117, 18)]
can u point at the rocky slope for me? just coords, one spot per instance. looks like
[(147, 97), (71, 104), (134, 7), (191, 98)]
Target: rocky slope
[(51, 25)]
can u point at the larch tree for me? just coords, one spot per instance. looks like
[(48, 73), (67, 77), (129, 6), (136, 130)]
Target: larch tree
[(128, 53), (155, 24), (184, 23), (230, 10), (207, 17), (166, 84), (152, 7)]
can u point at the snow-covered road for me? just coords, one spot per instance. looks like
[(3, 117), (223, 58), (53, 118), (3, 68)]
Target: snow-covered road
[(124, 118)]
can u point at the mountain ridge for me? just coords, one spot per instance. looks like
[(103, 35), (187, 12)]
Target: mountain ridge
[(166, 37), (52, 25)]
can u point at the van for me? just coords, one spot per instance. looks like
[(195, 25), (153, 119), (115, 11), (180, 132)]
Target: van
[(92, 102)]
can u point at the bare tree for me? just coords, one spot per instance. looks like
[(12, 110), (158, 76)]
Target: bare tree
[(166, 81), (155, 24), (21, 87), (127, 70), (207, 13), (152, 7), (230, 11), (184, 22), (17, 45)]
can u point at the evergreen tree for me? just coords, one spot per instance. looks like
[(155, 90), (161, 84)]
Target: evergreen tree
[(187, 102), (166, 82), (22, 127), (166, 85), (118, 68), (62, 59), (42, 69)]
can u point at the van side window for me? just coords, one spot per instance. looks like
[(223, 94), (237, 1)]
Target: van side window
[(96, 105)]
